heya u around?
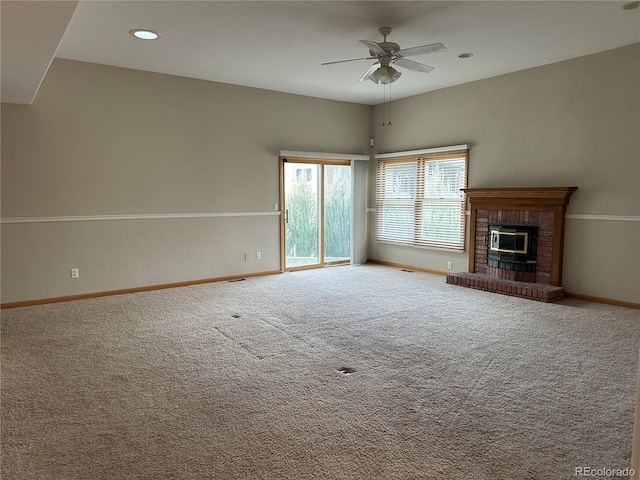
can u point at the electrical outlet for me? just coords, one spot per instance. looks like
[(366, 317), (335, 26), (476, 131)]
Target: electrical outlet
[(75, 273), (246, 257), (449, 265), (275, 207), (258, 256)]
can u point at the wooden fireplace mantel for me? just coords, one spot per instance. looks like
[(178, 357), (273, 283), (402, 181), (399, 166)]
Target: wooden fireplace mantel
[(533, 198), (553, 199)]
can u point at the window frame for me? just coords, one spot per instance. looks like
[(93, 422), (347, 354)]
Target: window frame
[(420, 158)]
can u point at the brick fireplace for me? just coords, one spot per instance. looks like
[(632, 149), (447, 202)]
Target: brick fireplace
[(539, 211)]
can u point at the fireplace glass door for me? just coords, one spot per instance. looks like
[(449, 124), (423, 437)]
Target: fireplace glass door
[(514, 242)]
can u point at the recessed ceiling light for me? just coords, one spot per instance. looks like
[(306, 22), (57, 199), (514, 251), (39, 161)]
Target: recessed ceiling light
[(143, 34), (631, 6), (465, 55)]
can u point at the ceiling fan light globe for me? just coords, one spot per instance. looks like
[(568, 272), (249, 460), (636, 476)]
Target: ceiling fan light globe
[(385, 75), (395, 75)]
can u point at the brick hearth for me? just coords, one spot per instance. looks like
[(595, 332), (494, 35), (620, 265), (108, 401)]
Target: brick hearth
[(533, 291)]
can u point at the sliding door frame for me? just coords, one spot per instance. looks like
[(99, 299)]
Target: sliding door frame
[(322, 162), (359, 173)]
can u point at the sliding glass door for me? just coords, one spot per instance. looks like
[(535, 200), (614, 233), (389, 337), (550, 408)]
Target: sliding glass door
[(316, 220), (337, 213), (302, 214)]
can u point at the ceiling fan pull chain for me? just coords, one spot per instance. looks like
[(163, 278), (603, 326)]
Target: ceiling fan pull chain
[(384, 103), (389, 112), (386, 106)]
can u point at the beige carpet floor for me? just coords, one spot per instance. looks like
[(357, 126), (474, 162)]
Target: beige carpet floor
[(363, 372)]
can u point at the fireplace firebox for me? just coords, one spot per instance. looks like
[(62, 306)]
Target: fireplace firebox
[(512, 247)]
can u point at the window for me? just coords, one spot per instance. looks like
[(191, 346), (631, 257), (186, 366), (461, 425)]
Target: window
[(304, 175), (419, 200)]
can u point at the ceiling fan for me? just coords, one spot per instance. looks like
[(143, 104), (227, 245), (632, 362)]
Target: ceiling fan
[(388, 54)]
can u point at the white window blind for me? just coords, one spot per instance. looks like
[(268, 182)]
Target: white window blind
[(419, 200)]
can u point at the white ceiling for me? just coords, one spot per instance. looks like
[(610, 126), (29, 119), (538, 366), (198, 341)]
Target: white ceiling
[(279, 45)]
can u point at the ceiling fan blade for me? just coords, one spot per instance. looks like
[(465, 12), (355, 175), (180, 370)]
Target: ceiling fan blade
[(349, 60), (367, 74), (373, 47), (422, 49), (413, 66)]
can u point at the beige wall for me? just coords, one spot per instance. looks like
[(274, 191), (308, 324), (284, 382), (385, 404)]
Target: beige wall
[(574, 123), (100, 140)]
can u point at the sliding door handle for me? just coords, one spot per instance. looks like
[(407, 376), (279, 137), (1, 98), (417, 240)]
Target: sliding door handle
[(286, 215)]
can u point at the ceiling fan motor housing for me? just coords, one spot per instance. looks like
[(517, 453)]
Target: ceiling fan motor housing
[(389, 47)]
